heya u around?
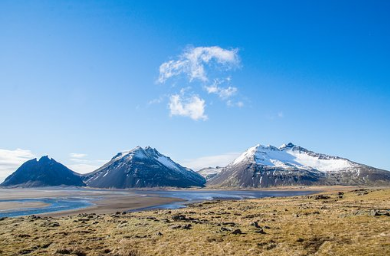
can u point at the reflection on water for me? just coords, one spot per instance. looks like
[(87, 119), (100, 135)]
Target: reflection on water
[(196, 196), (54, 205)]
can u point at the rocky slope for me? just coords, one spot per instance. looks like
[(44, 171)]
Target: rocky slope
[(142, 167), (265, 166), (45, 172)]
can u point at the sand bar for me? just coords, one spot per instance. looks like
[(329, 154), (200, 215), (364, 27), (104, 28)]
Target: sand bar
[(10, 206)]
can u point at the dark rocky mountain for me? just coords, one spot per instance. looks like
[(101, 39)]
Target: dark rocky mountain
[(45, 172), (143, 167), (267, 166)]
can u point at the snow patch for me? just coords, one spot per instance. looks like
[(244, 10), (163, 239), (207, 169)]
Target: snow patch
[(287, 157), (167, 162)]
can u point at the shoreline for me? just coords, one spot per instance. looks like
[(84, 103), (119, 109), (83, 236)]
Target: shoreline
[(113, 205), (118, 200), (12, 206), (107, 201)]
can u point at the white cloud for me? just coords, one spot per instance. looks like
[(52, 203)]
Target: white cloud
[(83, 168), (77, 155), (192, 62), (192, 107), (210, 161), (239, 104), (84, 165), (223, 93), (199, 64), (155, 101), (10, 160)]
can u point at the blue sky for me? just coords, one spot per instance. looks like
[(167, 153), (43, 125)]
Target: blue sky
[(82, 77)]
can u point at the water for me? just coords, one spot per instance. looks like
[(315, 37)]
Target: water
[(195, 196), (54, 205), (188, 197)]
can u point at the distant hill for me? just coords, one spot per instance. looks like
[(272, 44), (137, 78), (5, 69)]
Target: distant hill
[(210, 172), (45, 172), (266, 166), (143, 167)]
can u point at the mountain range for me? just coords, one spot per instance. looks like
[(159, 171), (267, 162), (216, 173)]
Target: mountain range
[(259, 166)]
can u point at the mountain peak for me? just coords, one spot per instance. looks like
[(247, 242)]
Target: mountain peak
[(137, 151), (263, 166), (143, 167), (287, 146), (290, 156), (253, 153), (44, 159), (260, 147), (151, 150), (44, 172)]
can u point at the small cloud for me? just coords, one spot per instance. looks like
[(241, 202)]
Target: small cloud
[(158, 100), (192, 107), (82, 166), (10, 160), (155, 101), (231, 103), (192, 62), (223, 92), (210, 161), (77, 155), (275, 116)]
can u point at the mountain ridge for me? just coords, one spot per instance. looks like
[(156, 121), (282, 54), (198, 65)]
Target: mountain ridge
[(142, 167), (265, 166)]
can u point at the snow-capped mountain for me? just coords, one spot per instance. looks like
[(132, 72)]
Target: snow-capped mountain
[(45, 172), (142, 167), (210, 172), (264, 166)]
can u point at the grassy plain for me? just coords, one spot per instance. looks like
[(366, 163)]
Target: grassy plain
[(352, 222)]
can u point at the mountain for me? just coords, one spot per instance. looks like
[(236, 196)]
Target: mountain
[(266, 166), (210, 172), (45, 172), (142, 167)]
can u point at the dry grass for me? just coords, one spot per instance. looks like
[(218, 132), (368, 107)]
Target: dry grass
[(356, 224)]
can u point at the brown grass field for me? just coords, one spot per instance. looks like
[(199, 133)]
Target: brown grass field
[(353, 222)]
